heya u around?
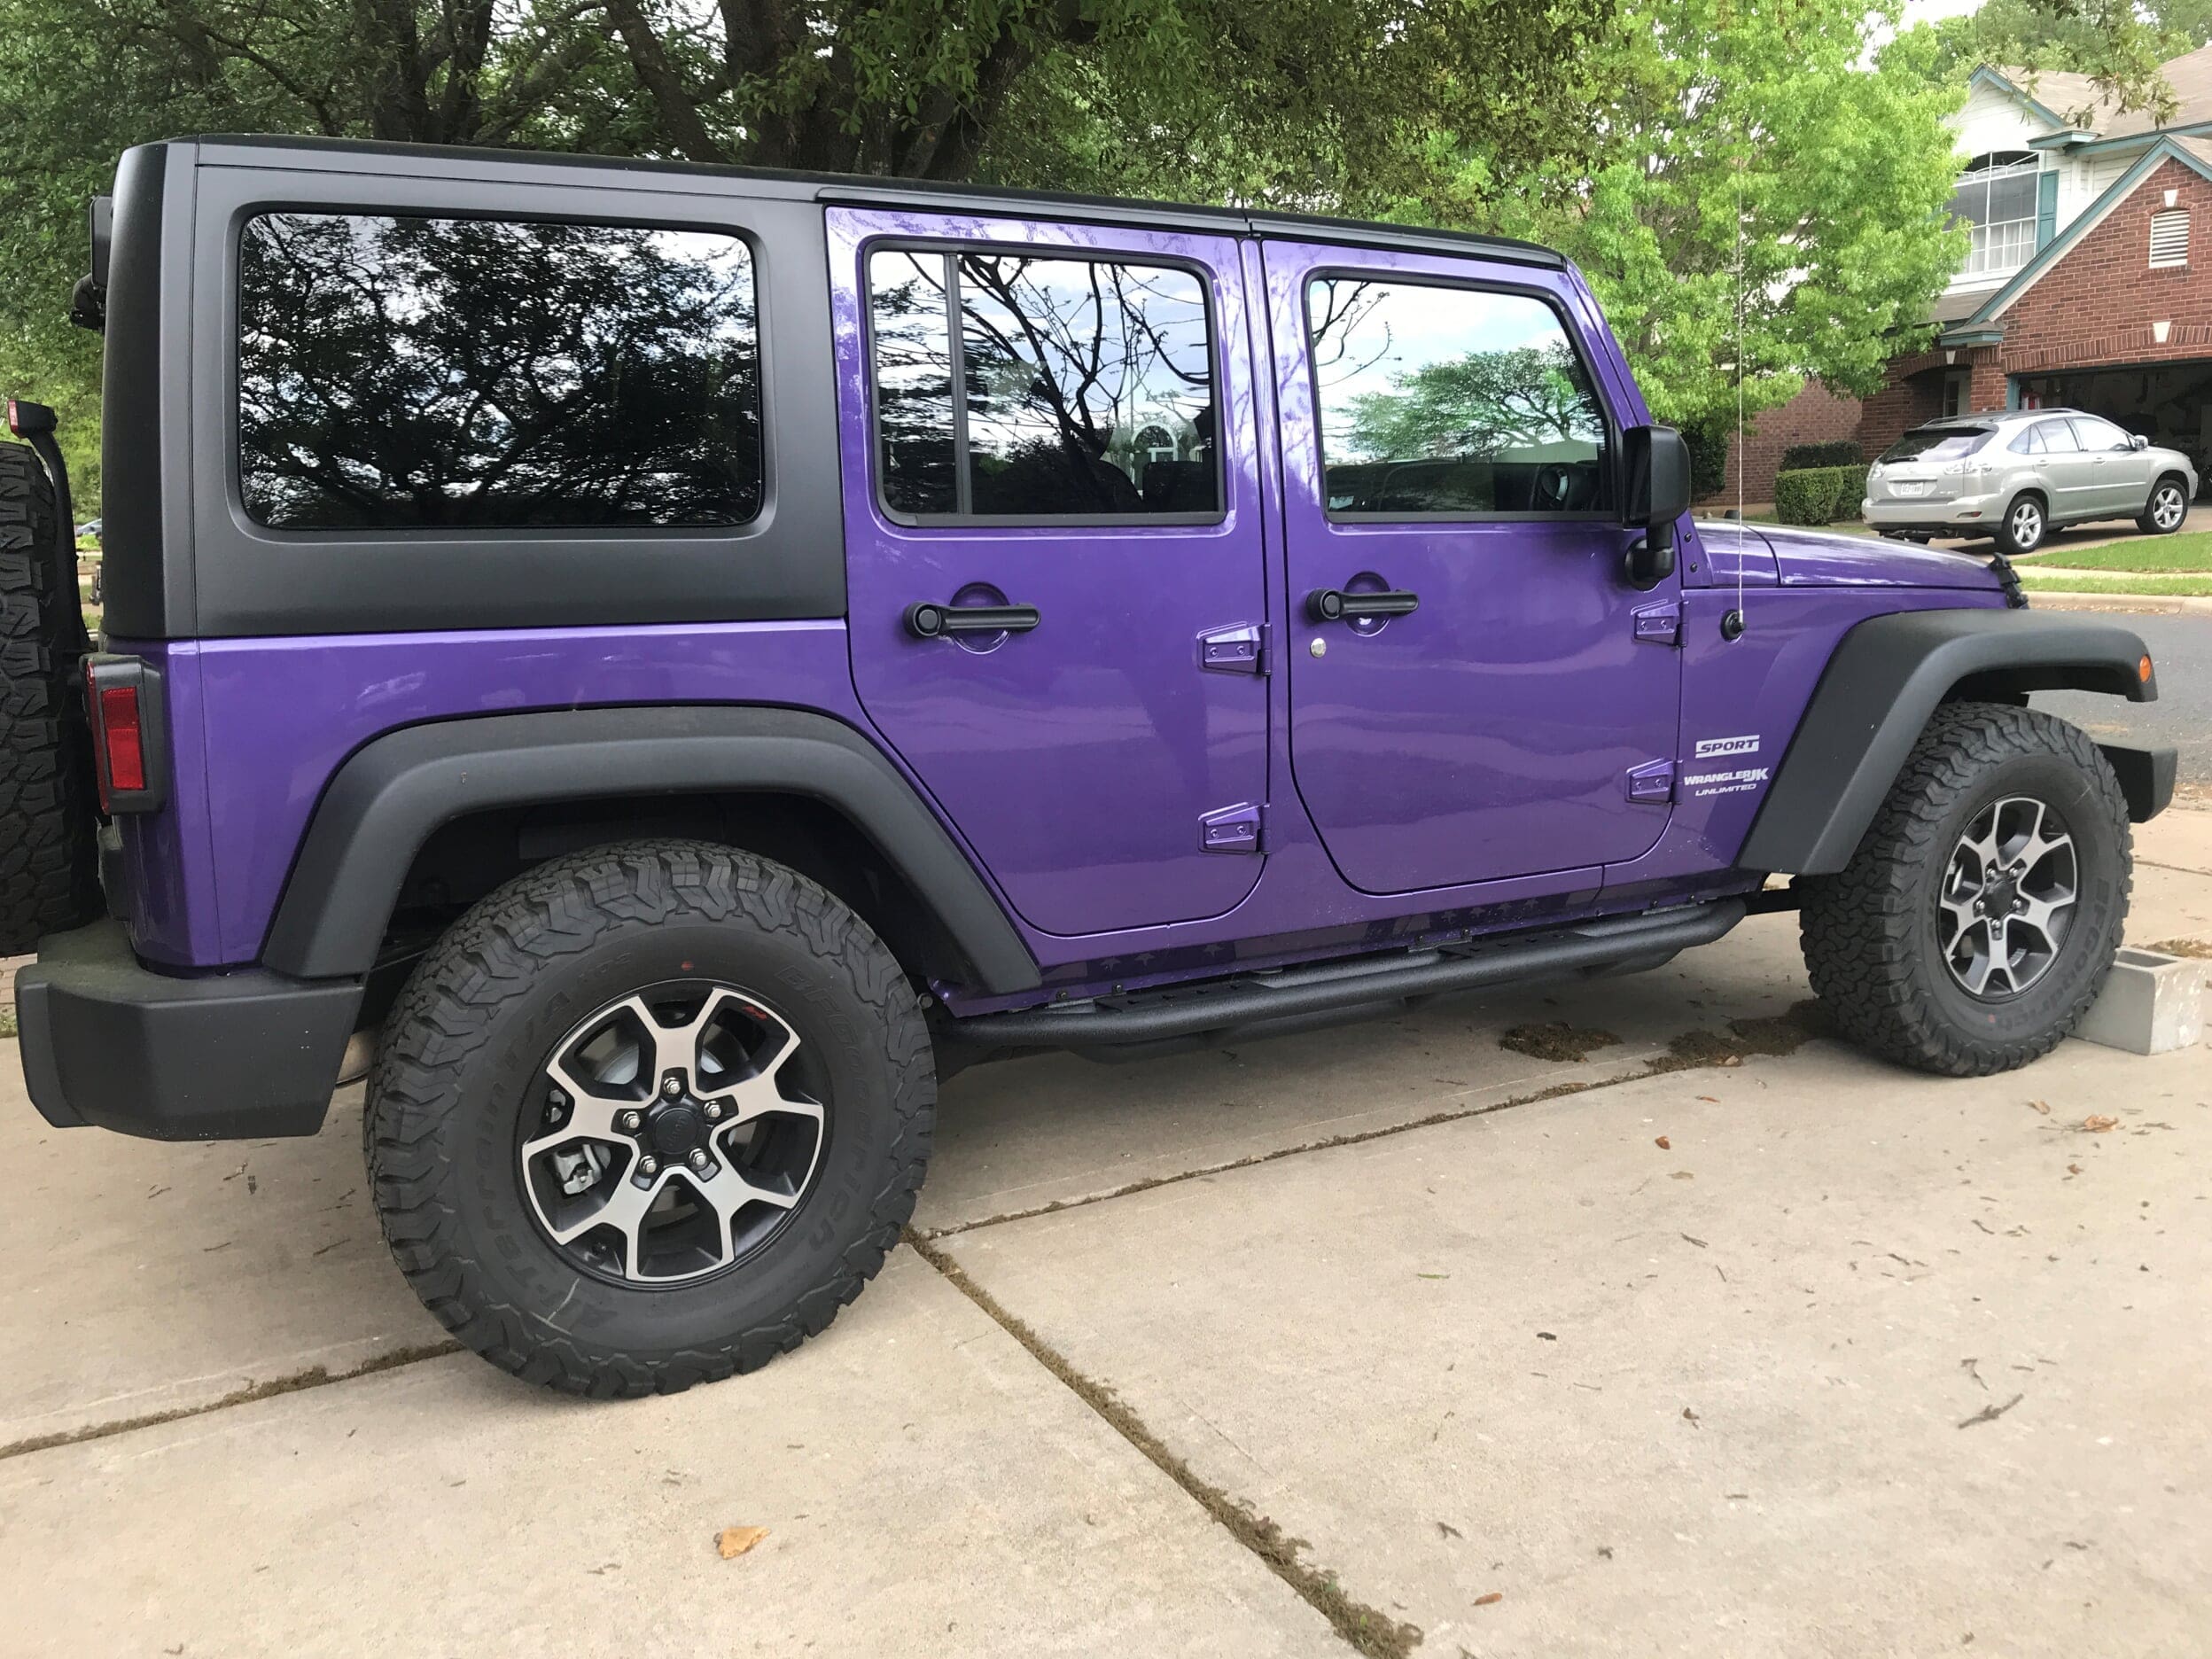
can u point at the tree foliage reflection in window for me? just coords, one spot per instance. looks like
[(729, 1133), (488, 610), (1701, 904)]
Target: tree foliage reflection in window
[(1086, 387), (407, 373), (1454, 400)]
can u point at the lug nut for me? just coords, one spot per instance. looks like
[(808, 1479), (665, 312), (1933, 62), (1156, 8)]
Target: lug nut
[(556, 1097), (699, 1158), (648, 1167), (631, 1121), (713, 1110), (673, 1087)]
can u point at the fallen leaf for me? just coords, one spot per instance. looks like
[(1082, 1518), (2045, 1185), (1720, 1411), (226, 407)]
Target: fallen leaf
[(1689, 1416), (1710, 1099), (1487, 1600), (1664, 1144), (1547, 1335), (1681, 1175), (1448, 1530), (2041, 1106), (2073, 1169), (1700, 1243), (1432, 1275), (2097, 1123), (735, 1541)]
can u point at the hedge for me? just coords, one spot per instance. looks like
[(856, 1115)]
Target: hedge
[(1850, 494), (1836, 452), (1807, 496)]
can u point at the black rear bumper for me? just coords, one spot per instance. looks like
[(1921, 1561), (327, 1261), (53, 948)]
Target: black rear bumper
[(240, 1056)]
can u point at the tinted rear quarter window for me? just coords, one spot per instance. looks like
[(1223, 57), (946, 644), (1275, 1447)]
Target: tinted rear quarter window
[(1456, 401), (405, 373), (1085, 387)]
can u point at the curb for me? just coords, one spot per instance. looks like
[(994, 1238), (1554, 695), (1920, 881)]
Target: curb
[(2138, 604)]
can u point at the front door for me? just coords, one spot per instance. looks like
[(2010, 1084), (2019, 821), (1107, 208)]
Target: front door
[(1490, 699), (2120, 474), (1054, 551)]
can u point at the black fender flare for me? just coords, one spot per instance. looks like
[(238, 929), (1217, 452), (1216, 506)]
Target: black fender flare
[(1881, 685), (389, 796)]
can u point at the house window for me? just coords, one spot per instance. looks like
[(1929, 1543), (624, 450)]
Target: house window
[(1957, 385), (1996, 201), (2170, 238)]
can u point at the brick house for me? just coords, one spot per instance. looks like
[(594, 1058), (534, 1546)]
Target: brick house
[(2087, 283)]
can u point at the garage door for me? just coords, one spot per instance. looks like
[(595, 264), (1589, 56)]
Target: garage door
[(2169, 403)]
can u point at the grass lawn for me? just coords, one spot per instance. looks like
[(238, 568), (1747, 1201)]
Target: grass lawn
[(2154, 555), (2152, 586)]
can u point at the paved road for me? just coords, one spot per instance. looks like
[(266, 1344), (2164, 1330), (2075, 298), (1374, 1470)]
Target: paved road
[(2182, 647)]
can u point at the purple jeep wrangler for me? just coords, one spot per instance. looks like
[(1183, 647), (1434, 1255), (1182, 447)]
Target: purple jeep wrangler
[(680, 659)]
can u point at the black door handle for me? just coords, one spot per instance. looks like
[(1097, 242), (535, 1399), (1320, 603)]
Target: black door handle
[(1333, 604), (925, 620)]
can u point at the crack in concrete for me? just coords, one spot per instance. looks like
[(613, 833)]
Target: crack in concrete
[(1368, 1630), (314, 1376), (1764, 1036)]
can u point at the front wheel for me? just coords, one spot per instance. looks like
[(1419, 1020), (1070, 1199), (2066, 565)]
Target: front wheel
[(648, 1115), (1977, 920), (2165, 511), (2022, 528)]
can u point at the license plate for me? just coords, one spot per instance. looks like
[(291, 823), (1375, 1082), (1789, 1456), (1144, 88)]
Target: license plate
[(1908, 490)]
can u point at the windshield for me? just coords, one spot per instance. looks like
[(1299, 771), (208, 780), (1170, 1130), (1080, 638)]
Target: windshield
[(1938, 443)]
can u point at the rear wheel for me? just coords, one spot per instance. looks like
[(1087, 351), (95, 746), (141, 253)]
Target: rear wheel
[(2166, 509), (1977, 920), (648, 1115), (2022, 528), (48, 856)]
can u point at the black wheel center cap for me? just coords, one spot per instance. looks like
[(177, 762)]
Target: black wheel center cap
[(677, 1130), (2001, 894)]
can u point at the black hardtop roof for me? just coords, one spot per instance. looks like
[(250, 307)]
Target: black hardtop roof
[(862, 190)]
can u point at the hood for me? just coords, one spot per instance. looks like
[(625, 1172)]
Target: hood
[(1824, 559)]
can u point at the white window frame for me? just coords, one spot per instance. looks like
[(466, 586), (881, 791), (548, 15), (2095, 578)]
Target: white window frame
[(2001, 246)]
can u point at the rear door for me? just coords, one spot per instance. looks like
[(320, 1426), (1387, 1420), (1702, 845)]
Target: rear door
[(2070, 475), (1448, 439), (1053, 424)]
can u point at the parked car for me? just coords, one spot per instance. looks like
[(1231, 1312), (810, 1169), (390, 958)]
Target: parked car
[(2017, 476), (681, 659)]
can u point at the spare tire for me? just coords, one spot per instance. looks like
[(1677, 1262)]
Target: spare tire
[(49, 852)]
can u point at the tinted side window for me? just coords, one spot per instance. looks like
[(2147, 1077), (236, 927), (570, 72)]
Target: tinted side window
[(2056, 437), (2026, 440), (400, 373), (1086, 387), (1437, 399), (2098, 437)]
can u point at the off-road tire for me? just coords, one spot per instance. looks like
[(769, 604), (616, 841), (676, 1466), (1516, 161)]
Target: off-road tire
[(1870, 932), (477, 1019), (2146, 521), (49, 853), (2016, 539)]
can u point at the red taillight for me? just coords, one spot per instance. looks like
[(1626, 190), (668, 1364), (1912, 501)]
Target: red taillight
[(121, 739)]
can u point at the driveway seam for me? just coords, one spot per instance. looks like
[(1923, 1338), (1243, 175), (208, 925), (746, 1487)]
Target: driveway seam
[(292, 1382), (1368, 1630)]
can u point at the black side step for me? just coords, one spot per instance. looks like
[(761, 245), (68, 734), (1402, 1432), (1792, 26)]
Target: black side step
[(1224, 1005)]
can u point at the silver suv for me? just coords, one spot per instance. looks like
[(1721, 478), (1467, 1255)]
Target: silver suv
[(2015, 475)]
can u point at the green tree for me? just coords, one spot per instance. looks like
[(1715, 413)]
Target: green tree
[(2118, 43), (1761, 205), (1323, 104)]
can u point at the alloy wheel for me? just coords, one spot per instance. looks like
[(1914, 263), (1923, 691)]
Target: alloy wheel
[(2008, 894), (670, 1132), (2026, 524), (2167, 506)]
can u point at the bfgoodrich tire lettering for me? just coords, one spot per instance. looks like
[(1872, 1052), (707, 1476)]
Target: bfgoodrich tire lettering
[(469, 1039), (1872, 934)]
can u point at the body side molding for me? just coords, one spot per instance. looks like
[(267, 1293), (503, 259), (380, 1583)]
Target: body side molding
[(386, 800), (1876, 695)]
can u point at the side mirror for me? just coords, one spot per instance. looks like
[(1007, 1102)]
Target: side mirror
[(1657, 494), (2137, 441)]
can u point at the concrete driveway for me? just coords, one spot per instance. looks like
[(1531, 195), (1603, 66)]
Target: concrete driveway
[(1712, 1338)]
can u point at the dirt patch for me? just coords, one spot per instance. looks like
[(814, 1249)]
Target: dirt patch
[(1557, 1041), (1369, 1629), (1769, 1035), (2200, 948)]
